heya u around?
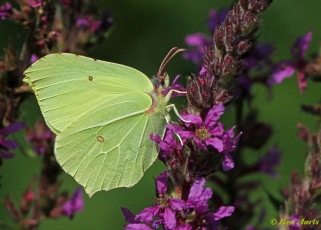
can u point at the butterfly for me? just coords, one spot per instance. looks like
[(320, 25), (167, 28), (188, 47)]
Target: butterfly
[(103, 114)]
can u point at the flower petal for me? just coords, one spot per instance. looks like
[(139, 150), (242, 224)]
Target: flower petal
[(213, 115), (176, 204), (6, 155), (215, 19), (223, 211), (215, 142), (193, 118), (147, 214), (175, 86), (281, 71), (12, 128), (194, 55), (228, 163), (217, 130), (161, 182), (199, 195), (169, 217), (301, 45), (302, 81), (197, 39), (9, 144), (199, 143), (129, 216), (184, 227), (137, 227), (75, 204)]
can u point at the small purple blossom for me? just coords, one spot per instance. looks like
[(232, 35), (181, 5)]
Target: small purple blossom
[(34, 3), (197, 200), (87, 22), (270, 161), (9, 144), (208, 133), (285, 69), (164, 208), (5, 10), (167, 146), (33, 58), (200, 41), (296, 222), (74, 204), (193, 213), (175, 86), (41, 137)]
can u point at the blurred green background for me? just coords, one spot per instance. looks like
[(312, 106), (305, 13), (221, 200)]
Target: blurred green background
[(143, 33)]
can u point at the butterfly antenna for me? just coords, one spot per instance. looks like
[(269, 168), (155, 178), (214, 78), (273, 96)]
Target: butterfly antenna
[(161, 76)]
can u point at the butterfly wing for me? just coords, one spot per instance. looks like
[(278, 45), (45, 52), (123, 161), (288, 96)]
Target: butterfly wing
[(98, 110), (68, 85)]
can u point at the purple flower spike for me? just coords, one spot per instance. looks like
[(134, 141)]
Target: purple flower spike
[(9, 144), (5, 10), (285, 69), (75, 204)]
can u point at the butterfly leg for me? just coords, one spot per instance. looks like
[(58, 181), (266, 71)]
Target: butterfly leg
[(169, 94), (172, 106)]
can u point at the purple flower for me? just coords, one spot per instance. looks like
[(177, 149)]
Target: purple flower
[(197, 200), (192, 214), (9, 144), (270, 161), (175, 86), (34, 3), (215, 19), (208, 132), (75, 204), (295, 225), (285, 69), (260, 53), (164, 209), (5, 10), (200, 41), (33, 58), (87, 22), (198, 196), (167, 146), (41, 137)]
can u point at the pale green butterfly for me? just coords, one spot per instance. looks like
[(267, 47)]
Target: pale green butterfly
[(103, 114)]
